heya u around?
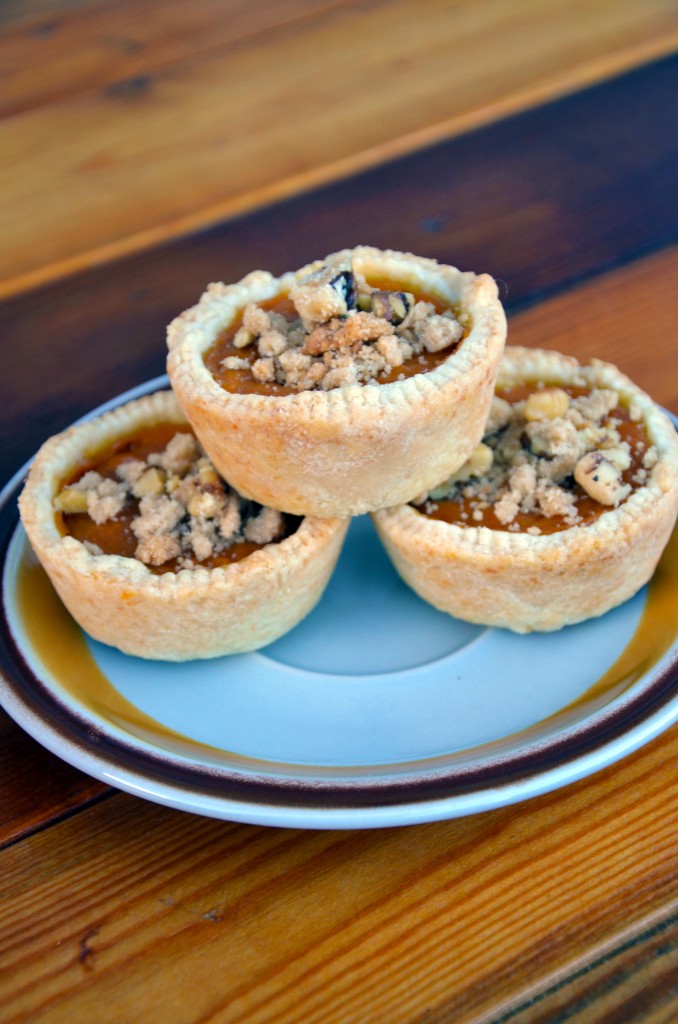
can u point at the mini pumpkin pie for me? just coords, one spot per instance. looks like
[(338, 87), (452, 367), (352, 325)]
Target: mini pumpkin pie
[(347, 386), (153, 553), (562, 511)]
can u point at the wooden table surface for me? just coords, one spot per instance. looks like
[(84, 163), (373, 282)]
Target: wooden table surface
[(151, 148)]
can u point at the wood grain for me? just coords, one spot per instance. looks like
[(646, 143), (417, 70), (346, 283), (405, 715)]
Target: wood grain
[(36, 788), (130, 911), (114, 45), (540, 201), (626, 317), (241, 108)]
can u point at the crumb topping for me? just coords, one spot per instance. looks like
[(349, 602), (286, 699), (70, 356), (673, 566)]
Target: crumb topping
[(535, 452), (343, 331), (176, 506)]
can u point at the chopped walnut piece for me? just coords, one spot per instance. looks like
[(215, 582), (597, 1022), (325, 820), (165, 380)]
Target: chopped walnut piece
[(601, 479), (324, 293), (71, 500), (392, 306), (152, 481), (243, 338)]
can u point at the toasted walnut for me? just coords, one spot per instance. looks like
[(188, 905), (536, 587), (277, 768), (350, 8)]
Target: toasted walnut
[(477, 465), (391, 306), (323, 294), (480, 461), (243, 338), (547, 404), (71, 500), (601, 479), (150, 482)]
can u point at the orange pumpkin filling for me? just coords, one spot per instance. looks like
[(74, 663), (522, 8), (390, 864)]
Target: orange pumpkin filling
[(154, 494), (379, 335), (545, 474)]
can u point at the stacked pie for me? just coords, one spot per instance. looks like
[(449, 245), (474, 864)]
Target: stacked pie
[(514, 488)]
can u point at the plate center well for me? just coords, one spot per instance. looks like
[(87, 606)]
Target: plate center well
[(368, 621)]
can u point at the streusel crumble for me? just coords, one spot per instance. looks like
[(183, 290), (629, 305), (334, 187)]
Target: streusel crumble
[(332, 329), (156, 497), (551, 458)]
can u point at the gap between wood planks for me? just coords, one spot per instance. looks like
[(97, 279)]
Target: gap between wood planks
[(606, 975)]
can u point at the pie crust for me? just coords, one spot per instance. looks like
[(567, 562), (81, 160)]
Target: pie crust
[(194, 613), (524, 582), (355, 448)]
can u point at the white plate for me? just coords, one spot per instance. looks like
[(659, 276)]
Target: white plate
[(376, 710)]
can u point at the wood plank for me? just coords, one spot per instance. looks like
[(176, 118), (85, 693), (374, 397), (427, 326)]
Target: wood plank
[(170, 148), (626, 317), (107, 915), (113, 45), (36, 788), (541, 200)]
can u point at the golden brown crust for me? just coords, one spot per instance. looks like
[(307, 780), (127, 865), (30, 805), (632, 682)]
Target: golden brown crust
[(195, 613), (523, 582), (356, 448)]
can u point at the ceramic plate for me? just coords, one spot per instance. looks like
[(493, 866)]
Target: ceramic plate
[(376, 710)]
